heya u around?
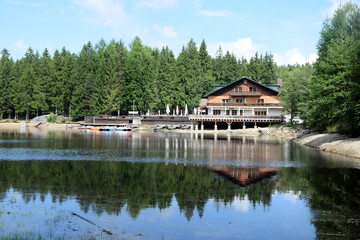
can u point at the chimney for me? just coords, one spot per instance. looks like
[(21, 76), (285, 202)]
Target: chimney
[(279, 82)]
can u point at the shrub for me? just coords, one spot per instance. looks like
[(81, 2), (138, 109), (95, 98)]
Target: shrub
[(51, 118)]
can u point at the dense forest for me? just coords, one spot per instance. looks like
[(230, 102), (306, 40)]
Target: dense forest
[(109, 78)]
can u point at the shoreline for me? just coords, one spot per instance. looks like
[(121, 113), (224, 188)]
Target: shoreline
[(333, 143), (326, 142)]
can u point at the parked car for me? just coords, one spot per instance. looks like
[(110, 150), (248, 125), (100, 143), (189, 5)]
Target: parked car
[(297, 120)]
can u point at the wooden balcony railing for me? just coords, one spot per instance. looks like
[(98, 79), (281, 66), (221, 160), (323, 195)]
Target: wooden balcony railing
[(245, 94), (234, 118), (279, 105)]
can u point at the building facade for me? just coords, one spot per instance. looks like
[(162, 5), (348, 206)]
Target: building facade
[(244, 101)]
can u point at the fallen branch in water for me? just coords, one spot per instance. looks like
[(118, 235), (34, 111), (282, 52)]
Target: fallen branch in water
[(87, 220)]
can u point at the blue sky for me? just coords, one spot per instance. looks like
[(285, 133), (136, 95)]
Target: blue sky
[(288, 29)]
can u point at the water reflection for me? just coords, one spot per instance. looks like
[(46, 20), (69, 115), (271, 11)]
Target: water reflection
[(193, 177)]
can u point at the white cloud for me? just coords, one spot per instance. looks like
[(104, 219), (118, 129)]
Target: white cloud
[(165, 31), (294, 56), (19, 45), (291, 196), (328, 13), (243, 47), (219, 13), (108, 12), (241, 205), (158, 4)]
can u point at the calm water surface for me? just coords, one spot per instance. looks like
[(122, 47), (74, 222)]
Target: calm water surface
[(81, 184)]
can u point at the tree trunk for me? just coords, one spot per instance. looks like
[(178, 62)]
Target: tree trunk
[(27, 115), (9, 116), (119, 111)]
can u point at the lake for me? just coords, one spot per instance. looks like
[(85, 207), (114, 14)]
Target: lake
[(78, 184)]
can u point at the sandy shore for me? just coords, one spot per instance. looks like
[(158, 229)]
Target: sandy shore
[(12, 125)]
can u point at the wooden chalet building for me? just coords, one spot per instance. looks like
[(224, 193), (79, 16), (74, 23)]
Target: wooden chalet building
[(244, 101)]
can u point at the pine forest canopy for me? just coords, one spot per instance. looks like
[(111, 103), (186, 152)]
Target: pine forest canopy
[(109, 77)]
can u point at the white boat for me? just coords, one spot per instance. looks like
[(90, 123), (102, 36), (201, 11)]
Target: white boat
[(123, 128)]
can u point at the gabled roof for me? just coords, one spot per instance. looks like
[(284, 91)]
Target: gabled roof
[(241, 79)]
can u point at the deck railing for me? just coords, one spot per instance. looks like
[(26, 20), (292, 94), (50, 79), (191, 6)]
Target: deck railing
[(245, 94), (234, 118), (278, 105)]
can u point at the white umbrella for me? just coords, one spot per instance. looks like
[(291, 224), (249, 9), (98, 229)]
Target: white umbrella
[(167, 109), (186, 110), (177, 109)]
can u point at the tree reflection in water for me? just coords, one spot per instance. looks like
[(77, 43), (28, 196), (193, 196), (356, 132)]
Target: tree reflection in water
[(109, 186), (112, 174)]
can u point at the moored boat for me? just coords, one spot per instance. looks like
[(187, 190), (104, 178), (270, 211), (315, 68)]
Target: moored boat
[(106, 129), (123, 128)]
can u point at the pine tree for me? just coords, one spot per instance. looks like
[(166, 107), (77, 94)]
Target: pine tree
[(6, 64), (219, 67), (84, 86), (27, 80), (166, 79), (207, 78), (188, 70), (139, 77)]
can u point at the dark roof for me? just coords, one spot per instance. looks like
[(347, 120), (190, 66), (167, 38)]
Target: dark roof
[(269, 87)]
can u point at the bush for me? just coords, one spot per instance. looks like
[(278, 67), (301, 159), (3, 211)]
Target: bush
[(51, 118)]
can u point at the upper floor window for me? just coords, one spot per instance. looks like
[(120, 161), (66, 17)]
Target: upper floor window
[(225, 101), (216, 112), (239, 89), (260, 101), (240, 100), (252, 89)]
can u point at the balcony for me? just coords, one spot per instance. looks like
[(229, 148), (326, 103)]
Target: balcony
[(234, 118), (276, 105), (245, 94)]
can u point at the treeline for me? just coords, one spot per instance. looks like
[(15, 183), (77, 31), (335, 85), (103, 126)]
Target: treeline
[(328, 94), (109, 78)]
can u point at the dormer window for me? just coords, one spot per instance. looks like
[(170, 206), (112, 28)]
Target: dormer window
[(239, 89), (252, 89)]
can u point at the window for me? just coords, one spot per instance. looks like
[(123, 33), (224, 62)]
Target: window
[(260, 101), (216, 112), (240, 100), (233, 112), (225, 101), (252, 89), (239, 89), (260, 113), (241, 112), (227, 112)]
